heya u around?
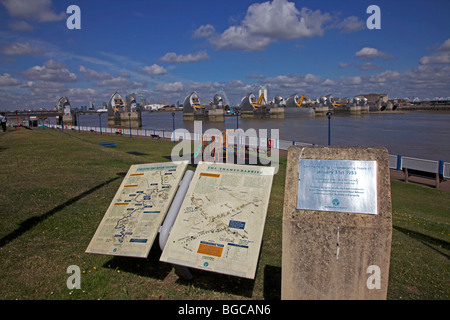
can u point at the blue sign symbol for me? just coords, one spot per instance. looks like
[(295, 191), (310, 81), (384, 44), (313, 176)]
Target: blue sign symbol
[(335, 202), (206, 264)]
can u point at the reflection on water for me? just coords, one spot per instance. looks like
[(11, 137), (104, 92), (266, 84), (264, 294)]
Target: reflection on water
[(415, 134)]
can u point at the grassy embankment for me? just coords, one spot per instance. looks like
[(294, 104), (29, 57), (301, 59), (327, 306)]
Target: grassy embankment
[(56, 187)]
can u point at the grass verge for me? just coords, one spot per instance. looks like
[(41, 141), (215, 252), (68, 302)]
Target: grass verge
[(56, 187)]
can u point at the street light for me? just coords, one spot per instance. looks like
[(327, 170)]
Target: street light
[(129, 121), (329, 114), (173, 125), (100, 122)]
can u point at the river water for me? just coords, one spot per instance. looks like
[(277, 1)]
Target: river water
[(424, 135)]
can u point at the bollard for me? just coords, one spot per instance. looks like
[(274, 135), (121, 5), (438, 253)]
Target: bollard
[(399, 162)]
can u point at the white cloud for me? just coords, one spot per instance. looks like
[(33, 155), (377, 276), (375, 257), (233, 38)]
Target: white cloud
[(37, 10), (356, 80), (238, 38), (328, 82), (17, 49), (445, 46), (368, 66), (169, 87), (311, 78), (7, 81), (20, 26), (120, 83), (50, 71), (368, 53), (154, 70), (280, 19), (46, 88), (386, 76), (350, 24), (90, 74), (441, 56), (265, 23), (172, 57), (255, 75), (204, 31), (83, 92)]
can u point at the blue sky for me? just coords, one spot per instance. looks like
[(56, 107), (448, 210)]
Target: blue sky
[(167, 49)]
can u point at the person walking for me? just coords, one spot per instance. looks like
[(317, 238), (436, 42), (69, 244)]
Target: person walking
[(3, 121)]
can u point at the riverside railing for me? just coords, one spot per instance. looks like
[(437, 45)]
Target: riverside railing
[(411, 166)]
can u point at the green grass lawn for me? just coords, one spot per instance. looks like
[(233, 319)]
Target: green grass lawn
[(56, 187)]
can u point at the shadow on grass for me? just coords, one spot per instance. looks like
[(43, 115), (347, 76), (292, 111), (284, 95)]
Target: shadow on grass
[(30, 223), (218, 282), (272, 283), (149, 267), (205, 280), (136, 153), (426, 240)]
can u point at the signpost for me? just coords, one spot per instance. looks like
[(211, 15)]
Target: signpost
[(337, 223)]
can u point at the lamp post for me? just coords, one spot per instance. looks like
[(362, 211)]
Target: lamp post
[(329, 114), (100, 122), (173, 126), (129, 121)]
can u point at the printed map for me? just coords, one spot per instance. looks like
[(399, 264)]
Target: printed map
[(138, 209), (221, 221)]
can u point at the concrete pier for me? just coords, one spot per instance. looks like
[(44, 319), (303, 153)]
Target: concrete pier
[(213, 115), (321, 110), (125, 119), (276, 113), (216, 115)]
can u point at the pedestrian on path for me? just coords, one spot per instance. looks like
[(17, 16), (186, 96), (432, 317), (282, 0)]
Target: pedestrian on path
[(3, 121)]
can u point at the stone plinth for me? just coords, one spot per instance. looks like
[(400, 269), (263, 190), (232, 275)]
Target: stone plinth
[(336, 255)]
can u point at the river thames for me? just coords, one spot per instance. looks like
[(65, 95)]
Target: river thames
[(424, 135)]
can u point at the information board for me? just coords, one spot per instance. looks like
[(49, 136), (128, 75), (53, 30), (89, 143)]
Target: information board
[(221, 220), (337, 185), (133, 219)]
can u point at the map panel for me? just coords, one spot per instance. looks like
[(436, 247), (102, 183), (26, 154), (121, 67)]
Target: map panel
[(221, 220), (138, 209)]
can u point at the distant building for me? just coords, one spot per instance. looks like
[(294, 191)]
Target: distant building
[(142, 100)]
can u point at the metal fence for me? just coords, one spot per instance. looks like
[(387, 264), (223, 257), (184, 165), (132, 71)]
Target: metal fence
[(397, 162)]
